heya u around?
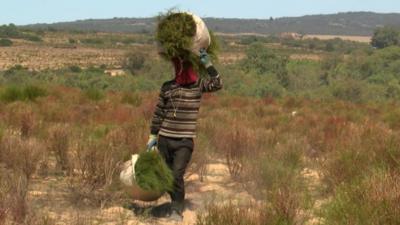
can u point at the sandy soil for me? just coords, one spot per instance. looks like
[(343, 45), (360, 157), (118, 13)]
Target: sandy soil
[(364, 39), (39, 57), (313, 57), (50, 196)]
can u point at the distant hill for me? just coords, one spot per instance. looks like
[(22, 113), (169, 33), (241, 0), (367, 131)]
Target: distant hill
[(351, 23)]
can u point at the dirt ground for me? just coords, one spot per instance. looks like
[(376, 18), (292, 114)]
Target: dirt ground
[(363, 39), (41, 57), (50, 196)]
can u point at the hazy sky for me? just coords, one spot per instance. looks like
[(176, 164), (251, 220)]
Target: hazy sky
[(48, 11)]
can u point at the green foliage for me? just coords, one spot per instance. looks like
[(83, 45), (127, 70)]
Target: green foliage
[(348, 90), (5, 42), (364, 75), (75, 69), (152, 173), (134, 61), (329, 47), (93, 41), (335, 45), (9, 31), (175, 33), (385, 37), (31, 92), (132, 98), (11, 94), (94, 94), (27, 93), (263, 60), (371, 201), (214, 47), (32, 38), (72, 41), (248, 40), (12, 31)]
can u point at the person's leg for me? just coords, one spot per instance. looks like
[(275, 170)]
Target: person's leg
[(164, 150), (182, 153)]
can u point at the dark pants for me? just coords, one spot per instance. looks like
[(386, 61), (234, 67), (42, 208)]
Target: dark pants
[(177, 153)]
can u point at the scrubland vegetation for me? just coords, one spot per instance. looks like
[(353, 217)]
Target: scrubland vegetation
[(313, 141)]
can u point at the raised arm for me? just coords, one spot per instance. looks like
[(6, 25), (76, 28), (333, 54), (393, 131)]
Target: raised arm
[(214, 82)]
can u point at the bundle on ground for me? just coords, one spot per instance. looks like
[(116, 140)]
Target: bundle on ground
[(152, 173)]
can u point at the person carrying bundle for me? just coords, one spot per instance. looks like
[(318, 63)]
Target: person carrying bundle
[(174, 121)]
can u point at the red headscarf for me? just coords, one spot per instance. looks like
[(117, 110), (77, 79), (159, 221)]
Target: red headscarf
[(184, 72)]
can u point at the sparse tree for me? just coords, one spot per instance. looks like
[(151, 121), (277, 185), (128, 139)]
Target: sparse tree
[(134, 62), (385, 37), (329, 47), (263, 60)]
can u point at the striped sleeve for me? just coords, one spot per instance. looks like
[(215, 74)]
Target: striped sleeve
[(213, 83), (159, 114)]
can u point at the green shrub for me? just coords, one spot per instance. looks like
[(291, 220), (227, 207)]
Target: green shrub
[(11, 94), (132, 99), (134, 62), (348, 90), (72, 41), (329, 47), (75, 69), (33, 38), (27, 93), (5, 42), (152, 173), (31, 92), (385, 37), (375, 200), (94, 94), (93, 41), (263, 60), (9, 31), (15, 68)]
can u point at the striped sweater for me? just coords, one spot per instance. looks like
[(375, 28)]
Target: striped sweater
[(178, 106)]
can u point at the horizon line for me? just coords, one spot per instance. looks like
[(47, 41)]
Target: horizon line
[(205, 17)]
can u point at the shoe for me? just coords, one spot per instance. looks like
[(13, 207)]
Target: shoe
[(176, 216)]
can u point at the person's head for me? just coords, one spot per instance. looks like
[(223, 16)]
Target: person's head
[(184, 71)]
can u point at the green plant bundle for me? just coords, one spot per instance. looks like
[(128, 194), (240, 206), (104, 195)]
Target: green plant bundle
[(152, 173), (175, 34)]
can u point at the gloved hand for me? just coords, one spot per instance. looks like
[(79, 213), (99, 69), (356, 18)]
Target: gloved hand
[(205, 58), (152, 142)]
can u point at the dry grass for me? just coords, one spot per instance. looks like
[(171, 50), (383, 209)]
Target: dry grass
[(13, 195), (264, 144), (58, 144), (231, 214)]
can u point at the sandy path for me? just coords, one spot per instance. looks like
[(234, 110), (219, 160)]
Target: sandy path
[(50, 196)]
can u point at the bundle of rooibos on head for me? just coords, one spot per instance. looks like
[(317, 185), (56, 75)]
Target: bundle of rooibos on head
[(182, 35)]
